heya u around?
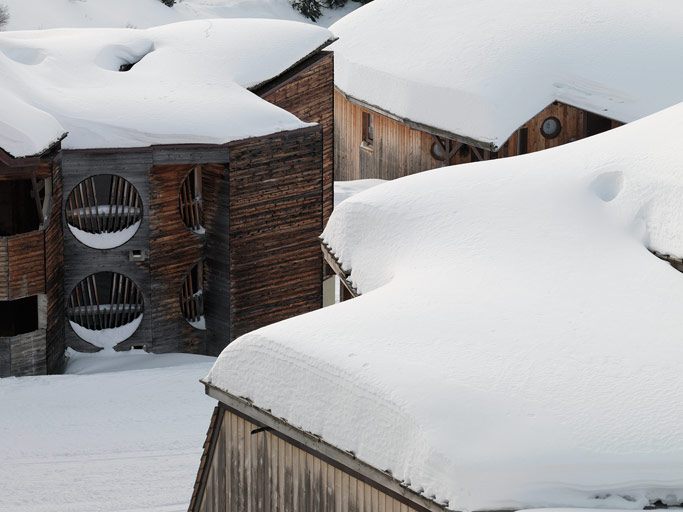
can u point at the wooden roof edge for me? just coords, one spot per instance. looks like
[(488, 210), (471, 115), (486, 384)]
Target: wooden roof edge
[(489, 146), (320, 448), (9, 160), (267, 85), (336, 266), (206, 459)]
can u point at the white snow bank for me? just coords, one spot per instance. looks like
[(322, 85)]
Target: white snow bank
[(516, 345), (482, 68), (105, 240), (345, 189), (188, 85), (125, 440), (107, 338), (45, 14)]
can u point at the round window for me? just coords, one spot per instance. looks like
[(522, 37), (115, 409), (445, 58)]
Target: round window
[(192, 297), (105, 309), (104, 211), (551, 127), (438, 151)]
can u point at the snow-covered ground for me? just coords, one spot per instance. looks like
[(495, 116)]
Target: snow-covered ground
[(118, 432), (42, 14)]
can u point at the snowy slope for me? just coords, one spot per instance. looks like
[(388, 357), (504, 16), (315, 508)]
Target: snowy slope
[(42, 14), (516, 345), (482, 68), (126, 434), (189, 83)]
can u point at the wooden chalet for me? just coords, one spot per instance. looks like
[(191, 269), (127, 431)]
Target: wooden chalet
[(416, 91), (253, 460), (169, 247), (31, 265)]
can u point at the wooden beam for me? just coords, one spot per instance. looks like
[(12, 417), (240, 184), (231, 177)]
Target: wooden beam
[(334, 264)]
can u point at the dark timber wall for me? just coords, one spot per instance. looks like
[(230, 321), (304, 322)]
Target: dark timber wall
[(276, 215), (308, 93), (31, 297)]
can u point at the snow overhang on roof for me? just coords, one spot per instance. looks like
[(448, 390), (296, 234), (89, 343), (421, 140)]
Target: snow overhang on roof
[(113, 88), (515, 344), (480, 70)]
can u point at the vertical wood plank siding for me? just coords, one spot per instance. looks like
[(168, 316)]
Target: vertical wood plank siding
[(251, 469), (22, 265), (276, 211), (399, 150), (309, 95)]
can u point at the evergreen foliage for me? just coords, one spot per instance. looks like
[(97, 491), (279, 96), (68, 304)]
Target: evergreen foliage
[(312, 9), (168, 3), (4, 16)]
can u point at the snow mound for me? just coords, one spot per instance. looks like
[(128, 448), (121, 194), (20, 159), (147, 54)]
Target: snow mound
[(188, 83), (516, 344), (482, 68)]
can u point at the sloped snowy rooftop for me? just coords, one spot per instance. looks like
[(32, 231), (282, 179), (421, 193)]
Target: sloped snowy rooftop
[(188, 83), (482, 68), (515, 344)]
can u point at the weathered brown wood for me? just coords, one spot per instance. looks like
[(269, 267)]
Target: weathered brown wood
[(251, 466), (401, 147), (309, 94)]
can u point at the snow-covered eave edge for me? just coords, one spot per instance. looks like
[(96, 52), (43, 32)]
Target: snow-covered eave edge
[(317, 446), (264, 85), (10, 160), (335, 264), (488, 145)]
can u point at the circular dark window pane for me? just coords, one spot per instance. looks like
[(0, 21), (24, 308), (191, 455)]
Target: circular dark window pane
[(438, 152), (105, 308), (104, 211), (551, 127)]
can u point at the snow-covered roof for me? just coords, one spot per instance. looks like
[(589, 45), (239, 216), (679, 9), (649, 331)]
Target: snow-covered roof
[(189, 86), (515, 344), (480, 69)]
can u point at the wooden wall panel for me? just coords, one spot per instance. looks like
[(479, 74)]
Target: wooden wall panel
[(309, 94), (26, 264), (54, 282), (399, 150), (276, 216), (173, 250), (252, 469)]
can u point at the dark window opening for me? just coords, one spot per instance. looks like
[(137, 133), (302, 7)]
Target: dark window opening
[(192, 297), (551, 127), (464, 151), (368, 129), (191, 202), (18, 316), (23, 205), (597, 124), (522, 141)]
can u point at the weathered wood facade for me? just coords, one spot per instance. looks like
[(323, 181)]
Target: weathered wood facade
[(399, 147), (31, 248), (262, 210), (253, 461)]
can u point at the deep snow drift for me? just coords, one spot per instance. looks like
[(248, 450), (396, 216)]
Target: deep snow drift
[(124, 433), (482, 68), (44, 14), (188, 83), (516, 344)]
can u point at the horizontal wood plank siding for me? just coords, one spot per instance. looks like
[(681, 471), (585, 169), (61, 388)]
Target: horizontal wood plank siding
[(276, 211), (309, 95), (254, 469), (54, 283), (24, 265)]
